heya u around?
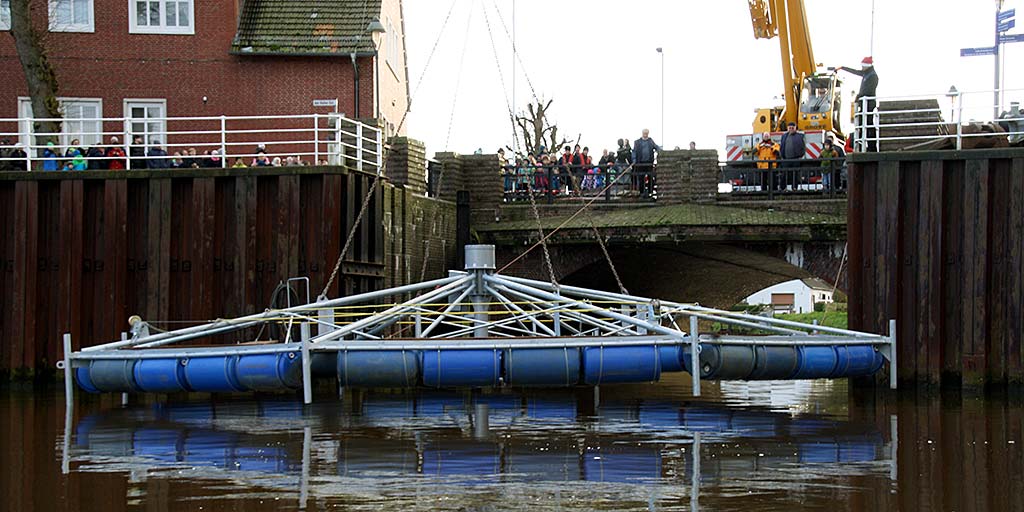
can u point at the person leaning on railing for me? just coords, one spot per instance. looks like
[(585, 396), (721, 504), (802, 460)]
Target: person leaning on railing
[(828, 157)]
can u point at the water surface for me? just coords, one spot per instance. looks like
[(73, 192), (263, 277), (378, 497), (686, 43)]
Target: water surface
[(785, 446)]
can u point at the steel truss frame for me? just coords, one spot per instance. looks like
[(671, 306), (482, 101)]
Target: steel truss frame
[(475, 309)]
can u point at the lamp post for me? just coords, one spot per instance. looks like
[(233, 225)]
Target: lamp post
[(375, 28), (662, 54)]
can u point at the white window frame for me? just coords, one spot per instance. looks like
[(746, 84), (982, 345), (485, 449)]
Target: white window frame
[(5, 14), (391, 47), (130, 103), (89, 26), (25, 107), (135, 28)]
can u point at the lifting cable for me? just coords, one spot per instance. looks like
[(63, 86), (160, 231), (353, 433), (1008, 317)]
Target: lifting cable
[(600, 240), (458, 77), (515, 141), (543, 239), (380, 172)]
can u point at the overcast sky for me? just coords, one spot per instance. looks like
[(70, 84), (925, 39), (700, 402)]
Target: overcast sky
[(597, 60)]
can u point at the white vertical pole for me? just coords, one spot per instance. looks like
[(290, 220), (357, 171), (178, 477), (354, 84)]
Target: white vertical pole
[(223, 141), (359, 146), (316, 139), (380, 153), (307, 379), (29, 140), (695, 355), (126, 141), (892, 354), (959, 118), (307, 446), (69, 376)]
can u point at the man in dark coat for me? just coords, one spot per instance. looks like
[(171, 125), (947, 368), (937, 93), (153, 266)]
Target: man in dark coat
[(866, 118), (792, 147), (137, 153), (644, 150), (157, 157)]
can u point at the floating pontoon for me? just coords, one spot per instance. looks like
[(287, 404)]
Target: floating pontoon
[(473, 329)]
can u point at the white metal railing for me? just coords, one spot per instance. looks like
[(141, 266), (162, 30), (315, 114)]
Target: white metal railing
[(201, 141), (964, 107)]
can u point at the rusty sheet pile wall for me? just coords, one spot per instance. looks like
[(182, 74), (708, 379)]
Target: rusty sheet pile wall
[(936, 241), (82, 252)]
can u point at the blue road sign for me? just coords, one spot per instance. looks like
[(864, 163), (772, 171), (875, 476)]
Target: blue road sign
[(977, 52), (1007, 25), (1005, 15), (1008, 38)]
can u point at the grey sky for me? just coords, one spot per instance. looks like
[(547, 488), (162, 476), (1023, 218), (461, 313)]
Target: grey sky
[(597, 60)]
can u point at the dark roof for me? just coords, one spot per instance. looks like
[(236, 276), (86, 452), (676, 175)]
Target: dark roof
[(816, 283), (304, 27)]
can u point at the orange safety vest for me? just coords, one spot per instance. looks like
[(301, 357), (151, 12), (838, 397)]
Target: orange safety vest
[(766, 151)]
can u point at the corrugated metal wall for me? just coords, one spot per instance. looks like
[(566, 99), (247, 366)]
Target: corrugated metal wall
[(937, 242)]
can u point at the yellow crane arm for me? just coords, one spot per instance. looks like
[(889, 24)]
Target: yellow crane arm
[(787, 20)]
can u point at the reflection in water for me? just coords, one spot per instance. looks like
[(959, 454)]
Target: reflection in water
[(521, 451)]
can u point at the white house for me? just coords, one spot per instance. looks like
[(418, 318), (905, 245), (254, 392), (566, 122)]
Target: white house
[(796, 296)]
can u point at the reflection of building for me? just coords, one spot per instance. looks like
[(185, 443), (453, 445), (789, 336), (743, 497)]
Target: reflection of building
[(796, 296), (185, 58)]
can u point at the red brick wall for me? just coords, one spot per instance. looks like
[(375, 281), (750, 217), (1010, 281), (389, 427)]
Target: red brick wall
[(112, 64)]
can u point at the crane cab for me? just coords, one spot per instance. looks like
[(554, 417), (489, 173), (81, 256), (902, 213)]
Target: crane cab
[(820, 104)]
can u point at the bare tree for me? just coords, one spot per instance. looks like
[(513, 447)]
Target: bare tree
[(537, 129), (40, 76)]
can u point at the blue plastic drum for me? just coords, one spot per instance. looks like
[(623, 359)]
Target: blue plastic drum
[(212, 374), (857, 361), (542, 367), (461, 368), (269, 372), (160, 375), (378, 368), (607, 365), (816, 362), (671, 358)]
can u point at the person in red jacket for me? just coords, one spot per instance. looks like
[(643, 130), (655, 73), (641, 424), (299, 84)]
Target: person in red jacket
[(116, 155)]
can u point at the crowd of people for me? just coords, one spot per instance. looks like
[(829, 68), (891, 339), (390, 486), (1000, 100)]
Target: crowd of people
[(787, 155), (627, 169), (140, 155)]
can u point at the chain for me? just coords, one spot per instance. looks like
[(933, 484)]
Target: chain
[(543, 239)]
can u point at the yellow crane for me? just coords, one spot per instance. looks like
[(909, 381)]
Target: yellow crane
[(813, 98)]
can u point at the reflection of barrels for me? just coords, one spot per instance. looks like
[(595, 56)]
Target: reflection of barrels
[(542, 366), (622, 463), (461, 368), (378, 368), (606, 365), (256, 372), (750, 362)]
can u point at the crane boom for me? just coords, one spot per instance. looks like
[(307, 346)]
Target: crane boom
[(787, 21)]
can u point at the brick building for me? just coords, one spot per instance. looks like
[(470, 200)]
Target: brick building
[(175, 58)]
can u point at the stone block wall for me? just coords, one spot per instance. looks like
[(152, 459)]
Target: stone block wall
[(686, 176), (406, 164), (451, 179)]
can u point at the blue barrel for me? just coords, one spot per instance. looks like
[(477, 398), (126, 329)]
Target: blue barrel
[(378, 368), (542, 367), (461, 368), (269, 372), (607, 365), (84, 381), (109, 375), (857, 361), (671, 358), (816, 362), (212, 374), (160, 375)]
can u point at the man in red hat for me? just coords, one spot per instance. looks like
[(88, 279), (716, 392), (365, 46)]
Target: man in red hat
[(866, 118)]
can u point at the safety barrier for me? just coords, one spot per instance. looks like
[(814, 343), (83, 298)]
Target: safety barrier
[(606, 182), (205, 141), (919, 121), (816, 177)]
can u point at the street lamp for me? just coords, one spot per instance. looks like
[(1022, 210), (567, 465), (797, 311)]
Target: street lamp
[(662, 54), (952, 94)]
